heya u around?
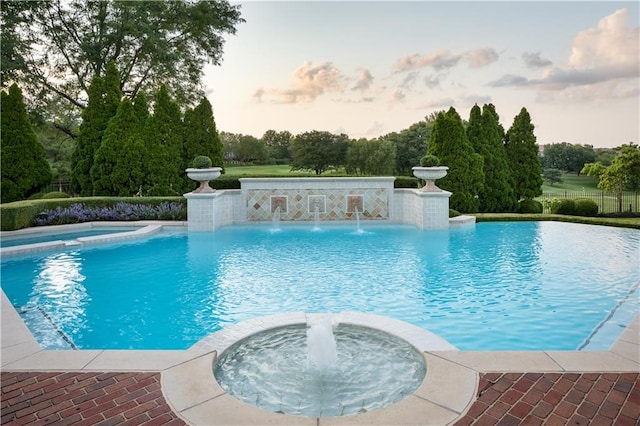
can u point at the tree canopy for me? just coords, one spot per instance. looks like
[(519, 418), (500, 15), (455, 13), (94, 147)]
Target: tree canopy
[(318, 150), (567, 157), (151, 42)]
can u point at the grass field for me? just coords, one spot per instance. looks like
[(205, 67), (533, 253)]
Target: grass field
[(273, 170), (572, 182)]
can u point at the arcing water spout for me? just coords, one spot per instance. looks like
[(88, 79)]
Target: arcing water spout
[(321, 344), (358, 220), (275, 220), (316, 217)]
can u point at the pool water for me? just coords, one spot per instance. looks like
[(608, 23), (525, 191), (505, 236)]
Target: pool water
[(495, 286), (61, 236)]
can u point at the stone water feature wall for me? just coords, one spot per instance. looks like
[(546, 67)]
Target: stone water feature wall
[(334, 199)]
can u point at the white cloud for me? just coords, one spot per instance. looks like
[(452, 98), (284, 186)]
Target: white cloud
[(431, 81), (398, 97), (479, 58), (439, 60), (308, 82), (604, 63), (365, 79)]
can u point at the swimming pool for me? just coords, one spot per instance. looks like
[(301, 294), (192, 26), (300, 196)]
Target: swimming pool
[(495, 286), (35, 238)]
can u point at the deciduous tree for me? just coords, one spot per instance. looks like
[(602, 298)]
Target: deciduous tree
[(149, 41), (318, 150)]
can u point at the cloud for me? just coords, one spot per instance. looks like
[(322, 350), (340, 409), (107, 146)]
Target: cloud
[(431, 81), (365, 79), (375, 129), (534, 60), (604, 63), (437, 103), (479, 58), (509, 80), (409, 80), (308, 82), (398, 97), (440, 60), (612, 42)]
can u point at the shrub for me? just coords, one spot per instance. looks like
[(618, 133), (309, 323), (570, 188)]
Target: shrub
[(585, 207), (529, 206), (54, 195), (453, 213), (202, 162), (36, 196), (429, 161), (563, 206), (405, 182)]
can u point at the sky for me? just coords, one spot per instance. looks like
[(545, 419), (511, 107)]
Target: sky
[(370, 68)]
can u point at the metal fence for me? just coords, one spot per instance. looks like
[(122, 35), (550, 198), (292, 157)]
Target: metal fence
[(607, 201)]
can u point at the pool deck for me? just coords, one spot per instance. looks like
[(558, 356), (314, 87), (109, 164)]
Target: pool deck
[(177, 387)]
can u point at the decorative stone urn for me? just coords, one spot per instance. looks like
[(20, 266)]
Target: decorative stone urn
[(204, 176), (430, 175)]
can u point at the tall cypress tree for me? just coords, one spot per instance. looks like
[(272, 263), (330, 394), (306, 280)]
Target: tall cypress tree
[(449, 142), (24, 163), (104, 98), (200, 137), (115, 171), (522, 155), (163, 147), (486, 135)]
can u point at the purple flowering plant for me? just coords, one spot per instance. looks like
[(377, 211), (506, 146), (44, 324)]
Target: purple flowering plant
[(78, 213)]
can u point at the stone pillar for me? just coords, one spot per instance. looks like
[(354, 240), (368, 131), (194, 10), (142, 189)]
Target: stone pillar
[(201, 210), (432, 209)]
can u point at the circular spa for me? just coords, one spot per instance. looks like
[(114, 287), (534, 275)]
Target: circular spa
[(320, 370)]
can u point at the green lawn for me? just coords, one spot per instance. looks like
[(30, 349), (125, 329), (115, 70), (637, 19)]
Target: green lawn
[(572, 182)]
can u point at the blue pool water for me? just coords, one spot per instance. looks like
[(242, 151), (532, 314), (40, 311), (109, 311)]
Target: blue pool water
[(495, 286), (63, 236)]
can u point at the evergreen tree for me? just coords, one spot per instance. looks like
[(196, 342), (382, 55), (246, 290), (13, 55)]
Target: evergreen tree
[(163, 145), (465, 177), (522, 155), (200, 137), (486, 135), (104, 98), (24, 163), (117, 168)]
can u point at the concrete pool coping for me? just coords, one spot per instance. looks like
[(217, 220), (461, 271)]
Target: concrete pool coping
[(447, 392)]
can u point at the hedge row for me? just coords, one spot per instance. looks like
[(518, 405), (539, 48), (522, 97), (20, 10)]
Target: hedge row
[(22, 214)]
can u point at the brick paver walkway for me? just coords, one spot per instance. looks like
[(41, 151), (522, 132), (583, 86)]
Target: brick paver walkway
[(503, 399), (556, 399), (84, 399)]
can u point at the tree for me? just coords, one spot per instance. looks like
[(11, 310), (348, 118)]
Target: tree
[(318, 150), (522, 154), (450, 144), (163, 139), (486, 136), (411, 144), (370, 157), (623, 173), (118, 166), (149, 41), (567, 157), (278, 144), (249, 148), (552, 175), (104, 99), (200, 137), (24, 165)]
